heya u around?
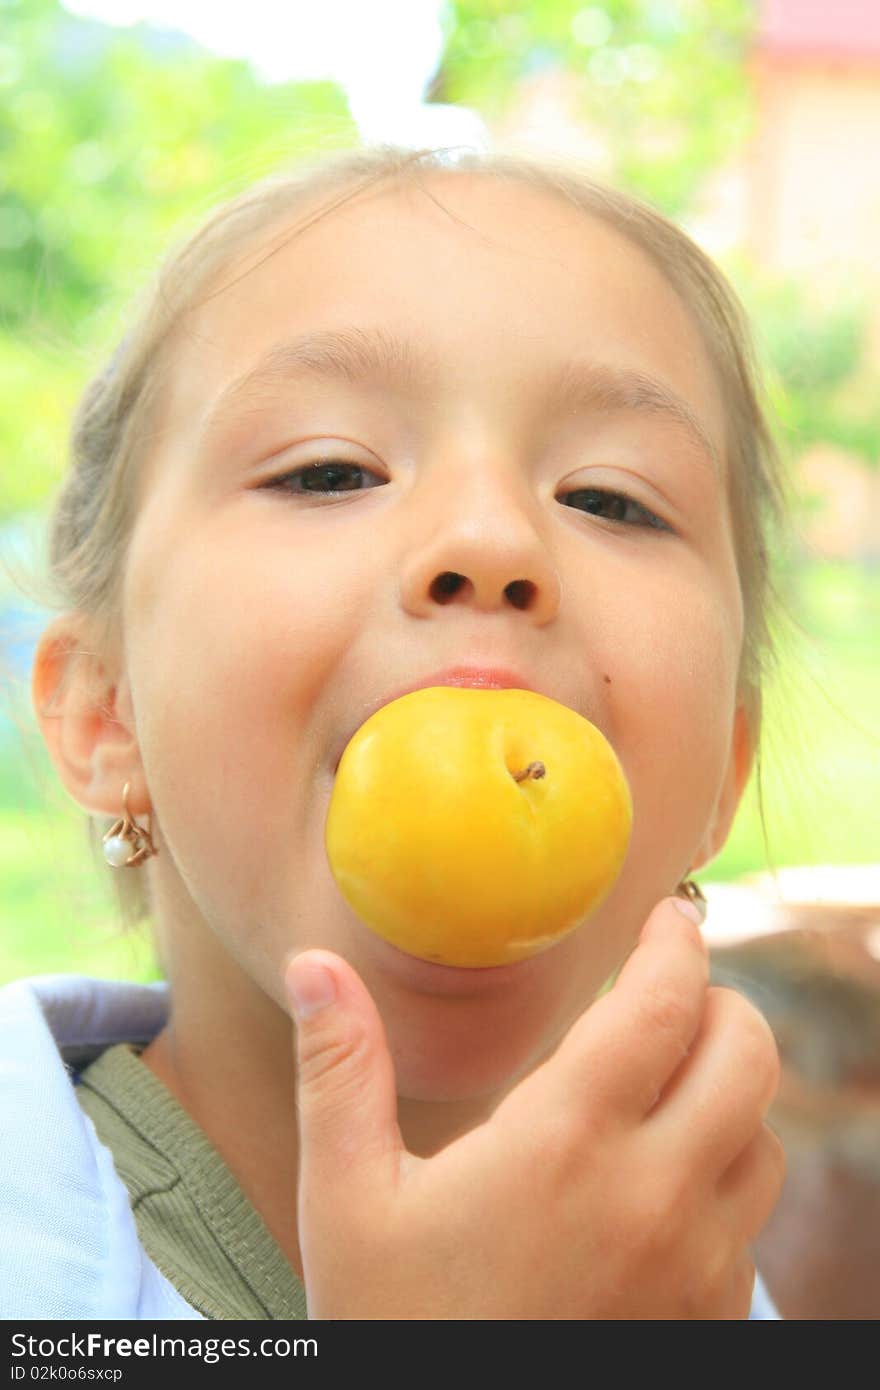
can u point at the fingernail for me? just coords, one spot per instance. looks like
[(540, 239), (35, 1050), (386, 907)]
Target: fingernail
[(690, 909), (310, 987)]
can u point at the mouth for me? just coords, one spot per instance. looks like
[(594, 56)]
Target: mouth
[(475, 677)]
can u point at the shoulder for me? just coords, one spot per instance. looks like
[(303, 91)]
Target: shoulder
[(75, 1014), (70, 1247)]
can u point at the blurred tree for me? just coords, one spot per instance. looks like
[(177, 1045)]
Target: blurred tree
[(823, 382), (663, 81), (664, 86), (111, 142)]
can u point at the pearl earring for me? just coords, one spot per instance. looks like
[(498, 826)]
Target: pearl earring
[(127, 844)]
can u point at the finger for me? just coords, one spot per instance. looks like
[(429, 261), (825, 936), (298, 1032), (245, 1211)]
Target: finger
[(721, 1285), (350, 1142), (621, 1053), (741, 1291), (722, 1091), (752, 1185)]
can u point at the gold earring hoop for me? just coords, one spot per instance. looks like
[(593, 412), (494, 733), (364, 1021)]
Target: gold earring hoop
[(689, 888), (127, 844)]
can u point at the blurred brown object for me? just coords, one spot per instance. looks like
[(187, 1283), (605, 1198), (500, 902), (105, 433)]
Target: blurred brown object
[(814, 971)]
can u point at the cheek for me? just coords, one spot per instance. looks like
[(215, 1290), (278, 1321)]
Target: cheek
[(232, 642), (674, 722)]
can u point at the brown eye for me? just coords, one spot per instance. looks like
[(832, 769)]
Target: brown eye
[(323, 478), (614, 506)]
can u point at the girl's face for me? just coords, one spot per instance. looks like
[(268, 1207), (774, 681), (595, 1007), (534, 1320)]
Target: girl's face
[(423, 347)]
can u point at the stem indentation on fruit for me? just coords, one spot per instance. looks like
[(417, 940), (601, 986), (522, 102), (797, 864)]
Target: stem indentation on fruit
[(534, 770)]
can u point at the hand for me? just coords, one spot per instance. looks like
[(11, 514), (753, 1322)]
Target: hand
[(623, 1178)]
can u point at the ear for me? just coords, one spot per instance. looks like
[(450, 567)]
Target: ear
[(746, 724), (85, 714)]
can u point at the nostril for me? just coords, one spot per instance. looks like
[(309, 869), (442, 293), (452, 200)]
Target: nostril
[(520, 592), (446, 584)]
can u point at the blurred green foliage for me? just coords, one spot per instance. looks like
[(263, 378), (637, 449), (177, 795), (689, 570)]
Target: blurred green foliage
[(820, 743), (112, 142), (815, 342), (662, 80), (664, 85)]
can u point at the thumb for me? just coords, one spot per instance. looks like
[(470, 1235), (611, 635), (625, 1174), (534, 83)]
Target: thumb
[(346, 1095)]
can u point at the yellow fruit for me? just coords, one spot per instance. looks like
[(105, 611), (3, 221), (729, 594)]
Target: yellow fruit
[(476, 827)]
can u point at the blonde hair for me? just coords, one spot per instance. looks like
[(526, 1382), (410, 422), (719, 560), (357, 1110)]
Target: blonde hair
[(94, 511)]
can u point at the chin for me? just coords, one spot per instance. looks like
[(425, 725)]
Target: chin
[(470, 1040), (461, 1063)]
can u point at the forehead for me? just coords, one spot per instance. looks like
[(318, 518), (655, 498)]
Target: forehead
[(487, 279)]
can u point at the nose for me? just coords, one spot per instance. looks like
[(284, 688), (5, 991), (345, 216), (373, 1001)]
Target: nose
[(480, 545)]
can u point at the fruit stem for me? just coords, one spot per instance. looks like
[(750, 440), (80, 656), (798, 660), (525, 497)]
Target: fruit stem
[(535, 770)]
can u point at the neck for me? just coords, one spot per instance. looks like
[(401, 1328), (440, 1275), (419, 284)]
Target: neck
[(227, 1056)]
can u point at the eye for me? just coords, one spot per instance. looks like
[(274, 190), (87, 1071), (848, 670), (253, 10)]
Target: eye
[(324, 477), (614, 506)]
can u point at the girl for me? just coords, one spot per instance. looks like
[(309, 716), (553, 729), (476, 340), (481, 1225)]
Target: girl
[(400, 420)]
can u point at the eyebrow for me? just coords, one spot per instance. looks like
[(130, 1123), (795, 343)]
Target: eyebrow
[(355, 355), (603, 387)]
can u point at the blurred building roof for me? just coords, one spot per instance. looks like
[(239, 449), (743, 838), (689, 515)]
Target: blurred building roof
[(828, 29)]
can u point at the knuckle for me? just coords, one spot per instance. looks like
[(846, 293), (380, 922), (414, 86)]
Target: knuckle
[(335, 1057), (743, 1288), (657, 1218), (720, 1285), (716, 1274), (667, 1010), (564, 1152), (756, 1044)]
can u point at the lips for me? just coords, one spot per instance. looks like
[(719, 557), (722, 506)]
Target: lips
[(476, 677)]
